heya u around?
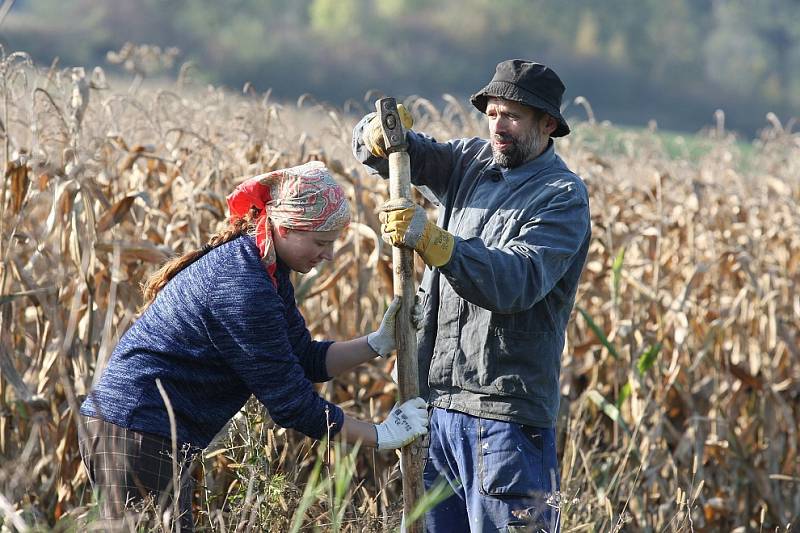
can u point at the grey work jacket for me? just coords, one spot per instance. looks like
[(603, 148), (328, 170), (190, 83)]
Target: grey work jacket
[(495, 315)]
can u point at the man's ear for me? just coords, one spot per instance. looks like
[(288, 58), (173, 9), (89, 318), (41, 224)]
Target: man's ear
[(550, 124)]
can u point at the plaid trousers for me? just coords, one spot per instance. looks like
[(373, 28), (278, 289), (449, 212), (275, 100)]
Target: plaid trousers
[(130, 469)]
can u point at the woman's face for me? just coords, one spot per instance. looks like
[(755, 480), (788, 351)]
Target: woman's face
[(303, 250)]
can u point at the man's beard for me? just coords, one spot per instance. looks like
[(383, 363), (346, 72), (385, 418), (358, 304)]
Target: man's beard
[(521, 150)]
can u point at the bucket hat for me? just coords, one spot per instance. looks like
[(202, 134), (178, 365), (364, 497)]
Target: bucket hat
[(528, 83)]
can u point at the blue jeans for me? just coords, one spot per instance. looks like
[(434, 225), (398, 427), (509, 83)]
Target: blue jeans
[(501, 473)]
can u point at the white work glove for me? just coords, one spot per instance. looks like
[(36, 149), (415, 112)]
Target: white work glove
[(382, 340), (404, 424)]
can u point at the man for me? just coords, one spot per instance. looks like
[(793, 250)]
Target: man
[(505, 258)]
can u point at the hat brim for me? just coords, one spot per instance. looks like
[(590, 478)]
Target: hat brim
[(515, 93)]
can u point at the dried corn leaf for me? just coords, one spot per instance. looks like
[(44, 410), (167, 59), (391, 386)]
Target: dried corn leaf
[(116, 213), (17, 172), (136, 250)]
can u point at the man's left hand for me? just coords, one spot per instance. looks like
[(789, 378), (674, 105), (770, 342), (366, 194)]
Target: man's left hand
[(373, 132), (405, 224)]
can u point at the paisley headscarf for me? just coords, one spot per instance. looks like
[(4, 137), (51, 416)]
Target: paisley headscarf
[(304, 198)]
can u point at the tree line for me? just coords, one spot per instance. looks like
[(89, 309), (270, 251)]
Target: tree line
[(674, 61)]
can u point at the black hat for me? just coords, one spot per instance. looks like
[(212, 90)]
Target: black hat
[(529, 83)]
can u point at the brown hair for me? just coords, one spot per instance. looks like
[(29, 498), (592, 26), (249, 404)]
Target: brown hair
[(156, 282)]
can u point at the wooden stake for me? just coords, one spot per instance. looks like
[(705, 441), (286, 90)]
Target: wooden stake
[(403, 277)]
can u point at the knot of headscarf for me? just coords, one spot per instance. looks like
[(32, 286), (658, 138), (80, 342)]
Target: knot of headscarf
[(304, 198)]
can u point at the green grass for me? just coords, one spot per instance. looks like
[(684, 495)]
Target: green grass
[(617, 140)]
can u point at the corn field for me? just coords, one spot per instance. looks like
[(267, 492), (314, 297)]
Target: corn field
[(680, 380)]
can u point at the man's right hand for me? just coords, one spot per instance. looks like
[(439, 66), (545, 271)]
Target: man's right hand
[(373, 132)]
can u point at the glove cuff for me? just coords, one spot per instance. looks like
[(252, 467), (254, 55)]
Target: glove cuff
[(374, 340), (381, 438), (437, 249), (416, 228)]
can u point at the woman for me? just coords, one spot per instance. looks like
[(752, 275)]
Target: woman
[(221, 324)]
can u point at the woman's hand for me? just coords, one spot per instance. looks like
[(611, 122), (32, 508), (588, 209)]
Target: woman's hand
[(404, 424), (382, 340)]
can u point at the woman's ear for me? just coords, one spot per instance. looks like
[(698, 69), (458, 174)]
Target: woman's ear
[(283, 232)]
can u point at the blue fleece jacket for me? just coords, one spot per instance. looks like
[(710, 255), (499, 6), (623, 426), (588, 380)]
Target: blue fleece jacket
[(218, 332)]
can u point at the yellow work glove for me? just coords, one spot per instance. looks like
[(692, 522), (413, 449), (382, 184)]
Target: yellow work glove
[(373, 132), (405, 224)]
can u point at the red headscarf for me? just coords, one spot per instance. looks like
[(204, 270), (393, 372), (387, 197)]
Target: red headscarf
[(305, 198)]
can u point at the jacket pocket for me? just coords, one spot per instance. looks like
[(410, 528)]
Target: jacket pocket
[(520, 363)]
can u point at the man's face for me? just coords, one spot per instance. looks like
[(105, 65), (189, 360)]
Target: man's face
[(517, 132)]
